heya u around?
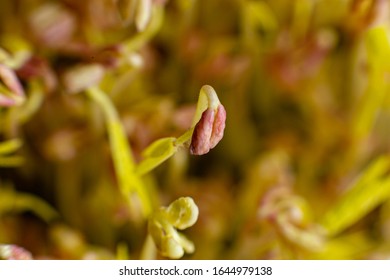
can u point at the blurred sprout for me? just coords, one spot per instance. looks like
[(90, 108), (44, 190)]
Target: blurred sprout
[(363, 195), (304, 169), (156, 153), (52, 25), (13, 252), (81, 77), (16, 51), (180, 214), (38, 68), (259, 14), (135, 60), (8, 147), (16, 202), (143, 14), (290, 214), (63, 145), (209, 129), (11, 90), (67, 243), (139, 11), (126, 9), (205, 135)]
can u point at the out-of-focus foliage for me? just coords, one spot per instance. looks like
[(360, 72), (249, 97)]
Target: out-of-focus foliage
[(97, 111)]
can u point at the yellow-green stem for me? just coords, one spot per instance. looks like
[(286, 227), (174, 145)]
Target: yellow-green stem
[(130, 183)]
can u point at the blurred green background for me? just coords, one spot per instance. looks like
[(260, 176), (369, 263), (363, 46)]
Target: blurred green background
[(301, 173)]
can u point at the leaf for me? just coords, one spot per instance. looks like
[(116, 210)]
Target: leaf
[(122, 251), (158, 152), (346, 247), (369, 191), (208, 98), (81, 77), (11, 90), (20, 202), (303, 13), (11, 161), (135, 42), (33, 103), (261, 15), (10, 146), (13, 252), (126, 9), (378, 51), (130, 184)]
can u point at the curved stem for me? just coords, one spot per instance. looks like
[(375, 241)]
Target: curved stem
[(208, 99), (129, 182)]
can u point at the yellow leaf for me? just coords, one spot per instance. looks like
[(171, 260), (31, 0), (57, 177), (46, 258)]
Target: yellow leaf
[(157, 153)]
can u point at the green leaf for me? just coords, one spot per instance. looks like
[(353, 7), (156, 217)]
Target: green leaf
[(10, 146), (158, 152), (369, 191), (138, 40), (126, 9)]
